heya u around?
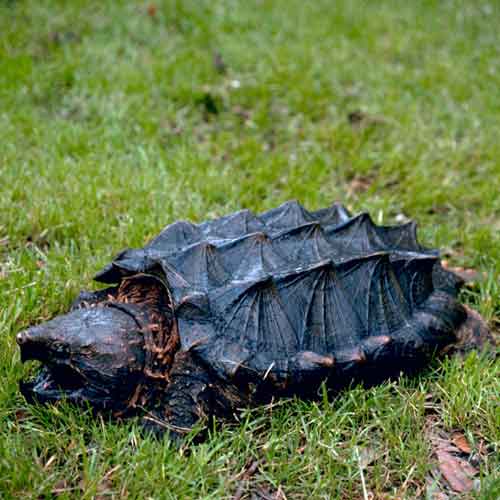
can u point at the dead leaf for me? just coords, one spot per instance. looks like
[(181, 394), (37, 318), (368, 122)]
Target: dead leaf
[(62, 486), (359, 119), (21, 415), (457, 471), (360, 184), (267, 493), (460, 441), (152, 10), (243, 477), (104, 489)]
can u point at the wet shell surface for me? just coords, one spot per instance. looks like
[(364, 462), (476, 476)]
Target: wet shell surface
[(292, 296)]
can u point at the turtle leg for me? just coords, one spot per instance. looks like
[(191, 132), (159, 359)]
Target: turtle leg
[(194, 395)]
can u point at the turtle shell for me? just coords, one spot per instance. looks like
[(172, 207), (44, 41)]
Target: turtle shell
[(291, 296)]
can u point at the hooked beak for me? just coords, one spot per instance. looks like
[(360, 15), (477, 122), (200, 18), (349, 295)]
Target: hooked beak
[(57, 379), (31, 347)]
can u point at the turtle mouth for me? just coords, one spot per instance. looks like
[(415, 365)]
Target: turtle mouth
[(57, 378), (59, 381), (54, 381)]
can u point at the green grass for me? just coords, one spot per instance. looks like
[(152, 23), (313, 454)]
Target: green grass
[(108, 133)]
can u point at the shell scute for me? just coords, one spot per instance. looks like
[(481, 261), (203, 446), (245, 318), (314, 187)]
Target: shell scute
[(289, 281), (304, 243), (232, 225), (289, 214), (251, 256), (176, 236)]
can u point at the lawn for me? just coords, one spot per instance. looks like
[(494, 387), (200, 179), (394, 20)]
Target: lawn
[(118, 118)]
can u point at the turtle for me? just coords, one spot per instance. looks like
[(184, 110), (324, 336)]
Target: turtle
[(239, 310)]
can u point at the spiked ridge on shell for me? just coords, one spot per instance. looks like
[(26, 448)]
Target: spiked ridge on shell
[(290, 295)]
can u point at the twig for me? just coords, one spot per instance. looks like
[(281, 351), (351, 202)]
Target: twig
[(162, 423), (365, 493), (408, 477)]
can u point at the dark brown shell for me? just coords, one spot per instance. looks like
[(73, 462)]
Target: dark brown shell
[(291, 295)]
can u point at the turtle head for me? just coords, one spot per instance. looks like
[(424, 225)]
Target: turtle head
[(91, 355)]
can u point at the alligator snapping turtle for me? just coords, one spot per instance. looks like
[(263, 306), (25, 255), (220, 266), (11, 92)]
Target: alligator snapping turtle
[(212, 317)]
